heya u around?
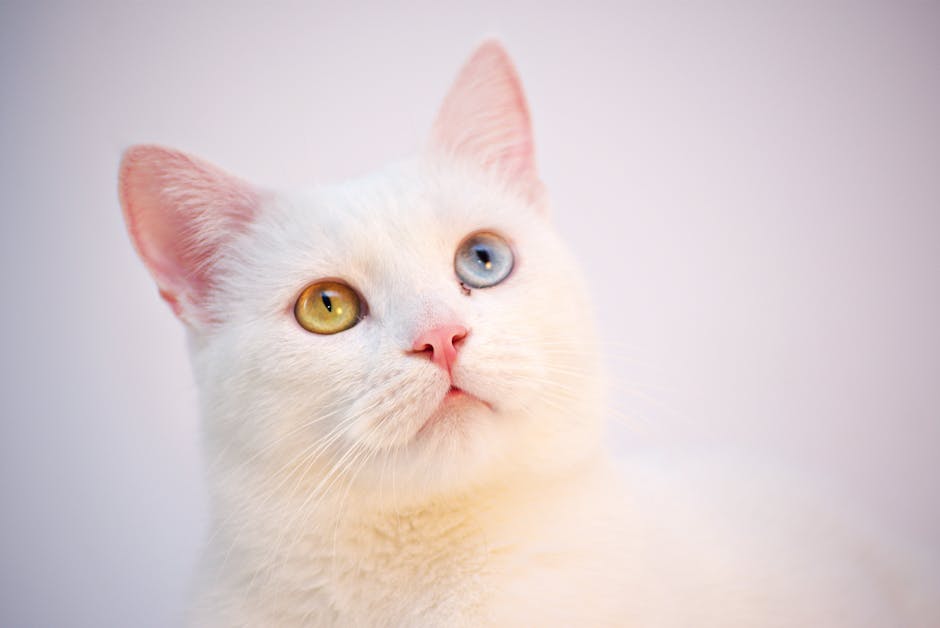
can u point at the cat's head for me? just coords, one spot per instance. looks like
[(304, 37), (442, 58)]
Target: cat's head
[(419, 330)]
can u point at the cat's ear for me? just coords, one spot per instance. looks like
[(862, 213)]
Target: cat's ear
[(179, 211), (485, 120)]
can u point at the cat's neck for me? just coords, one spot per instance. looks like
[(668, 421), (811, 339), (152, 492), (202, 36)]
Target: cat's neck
[(287, 542), (311, 506)]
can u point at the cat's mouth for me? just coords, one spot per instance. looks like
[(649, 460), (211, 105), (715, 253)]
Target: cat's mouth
[(454, 392), (454, 400)]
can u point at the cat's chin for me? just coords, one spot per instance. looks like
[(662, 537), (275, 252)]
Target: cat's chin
[(456, 443), (455, 409)]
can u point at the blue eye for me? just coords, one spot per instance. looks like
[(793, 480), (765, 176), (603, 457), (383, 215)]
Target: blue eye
[(483, 259)]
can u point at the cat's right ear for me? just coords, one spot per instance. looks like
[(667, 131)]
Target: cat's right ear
[(180, 211)]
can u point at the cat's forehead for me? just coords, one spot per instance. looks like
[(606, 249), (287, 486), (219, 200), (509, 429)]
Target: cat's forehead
[(413, 208)]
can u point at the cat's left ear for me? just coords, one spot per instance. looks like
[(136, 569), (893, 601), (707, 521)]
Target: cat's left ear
[(485, 121)]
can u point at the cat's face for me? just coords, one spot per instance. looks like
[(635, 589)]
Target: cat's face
[(444, 335)]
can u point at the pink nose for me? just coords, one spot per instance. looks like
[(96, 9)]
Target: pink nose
[(442, 343)]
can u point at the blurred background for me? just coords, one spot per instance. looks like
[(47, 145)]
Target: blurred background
[(753, 189)]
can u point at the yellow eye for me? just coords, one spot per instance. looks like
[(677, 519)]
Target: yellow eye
[(327, 307)]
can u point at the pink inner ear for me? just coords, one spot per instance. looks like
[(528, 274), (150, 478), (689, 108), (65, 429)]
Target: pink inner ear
[(180, 210), (485, 119)]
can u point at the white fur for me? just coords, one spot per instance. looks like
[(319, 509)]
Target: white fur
[(515, 517), (330, 508)]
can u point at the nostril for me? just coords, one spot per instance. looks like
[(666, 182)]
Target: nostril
[(454, 337)]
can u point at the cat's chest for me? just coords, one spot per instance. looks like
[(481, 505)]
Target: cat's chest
[(423, 569), (459, 569)]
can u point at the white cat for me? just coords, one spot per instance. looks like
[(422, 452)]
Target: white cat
[(403, 411)]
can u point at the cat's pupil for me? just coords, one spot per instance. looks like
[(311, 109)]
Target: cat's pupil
[(484, 256), (327, 303)]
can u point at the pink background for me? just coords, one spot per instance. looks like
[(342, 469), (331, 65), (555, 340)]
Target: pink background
[(753, 188)]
